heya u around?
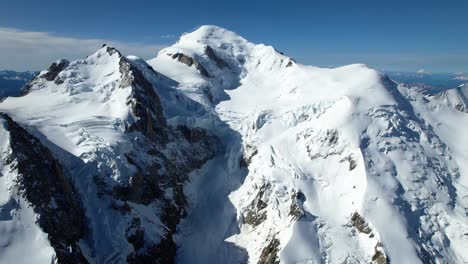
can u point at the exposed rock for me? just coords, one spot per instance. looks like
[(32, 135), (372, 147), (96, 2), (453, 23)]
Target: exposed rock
[(141, 189), (280, 52), (332, 137), (145, 103), (296, 211), (254, 218), (425, 256), (269, 254), (135, 234), (189, 61), (101, 185), (321, 144), (360, 224), (160, 170), (352, 162), (212, 55), (164, 252), (192, 134), (122, 207), (51, 75), (112, 50), (255, 213), (55, 69), (42, 182), (290, 63), (379, 256), (249, 153)]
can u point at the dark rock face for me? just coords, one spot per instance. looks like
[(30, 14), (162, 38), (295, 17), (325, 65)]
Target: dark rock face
[(212, 55), (360, 224), (189, 61), (51, 75), (290, 63), (296, 210), (54, 70), (145, 103), (379, 256), (255, 213), (158, 171), (157, 168), (112, 50), (269, 254), (249, 153), (42, 182), (351, 160)]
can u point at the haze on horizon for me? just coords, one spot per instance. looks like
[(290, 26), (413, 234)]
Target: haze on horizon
[(397, 35)]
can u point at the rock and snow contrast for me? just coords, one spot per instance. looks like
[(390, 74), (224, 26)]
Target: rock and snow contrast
[(223, 151)]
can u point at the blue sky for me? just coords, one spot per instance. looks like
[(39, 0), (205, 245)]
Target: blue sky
[(389, 35)]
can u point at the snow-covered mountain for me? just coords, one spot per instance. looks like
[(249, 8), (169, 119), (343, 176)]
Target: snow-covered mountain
[(101, 118), (223, 151)]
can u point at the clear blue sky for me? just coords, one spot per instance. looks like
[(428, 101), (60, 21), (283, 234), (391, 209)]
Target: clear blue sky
[(390, 35)]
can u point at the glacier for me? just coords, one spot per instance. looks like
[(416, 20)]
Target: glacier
[(220, 150)]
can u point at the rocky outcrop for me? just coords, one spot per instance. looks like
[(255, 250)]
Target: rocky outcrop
[(212, 55), (50, 75), (54, 70), (158, 171), (269, 254), (360, 224), (163, 158), (379, 256), (296, 210), (351, 160), (145, 103), (255, 214), (189, 61), (43, 183), (249, 153), (290, 63)]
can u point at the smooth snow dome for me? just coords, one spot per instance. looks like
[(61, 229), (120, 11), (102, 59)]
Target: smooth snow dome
[(314, 165)]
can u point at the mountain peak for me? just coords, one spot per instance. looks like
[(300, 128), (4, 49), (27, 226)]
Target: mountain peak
[(300, 156), (211, 35)]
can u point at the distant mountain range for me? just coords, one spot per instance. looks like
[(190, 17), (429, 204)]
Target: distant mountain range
[(437, 81), (11, 82)]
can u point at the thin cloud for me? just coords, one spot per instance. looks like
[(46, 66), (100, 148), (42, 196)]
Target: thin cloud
[(26, 50), (168, 36), (422, 71)]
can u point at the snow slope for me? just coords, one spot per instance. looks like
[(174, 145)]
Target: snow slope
[(340, 166), (102, 118), (220, 150), (456, 98)]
